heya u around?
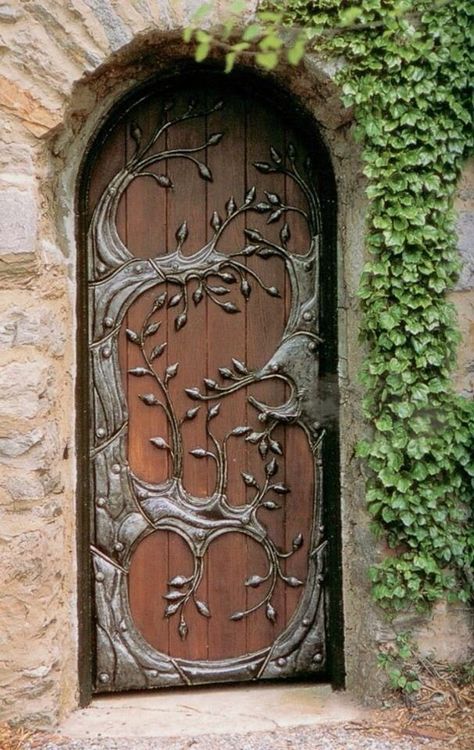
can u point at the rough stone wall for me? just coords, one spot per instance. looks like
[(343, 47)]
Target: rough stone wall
[(63, 64)]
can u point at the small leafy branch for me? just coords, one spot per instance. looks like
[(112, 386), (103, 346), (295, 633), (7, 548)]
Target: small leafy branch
[(398, 659)]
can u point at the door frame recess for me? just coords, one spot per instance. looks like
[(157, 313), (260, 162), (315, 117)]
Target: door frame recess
[(285, 102)]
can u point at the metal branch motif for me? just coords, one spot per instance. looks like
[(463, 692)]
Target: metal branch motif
[(134, 508)]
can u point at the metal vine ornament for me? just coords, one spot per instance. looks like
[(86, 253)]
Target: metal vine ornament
[(128, 508)]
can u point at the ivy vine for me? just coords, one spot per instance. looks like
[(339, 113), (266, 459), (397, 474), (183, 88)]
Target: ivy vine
[(407, 69)]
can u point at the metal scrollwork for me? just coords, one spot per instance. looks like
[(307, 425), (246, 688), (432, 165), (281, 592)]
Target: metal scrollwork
[(127, 508)]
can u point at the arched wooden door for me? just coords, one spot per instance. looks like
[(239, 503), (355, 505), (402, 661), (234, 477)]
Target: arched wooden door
[(203, 234)]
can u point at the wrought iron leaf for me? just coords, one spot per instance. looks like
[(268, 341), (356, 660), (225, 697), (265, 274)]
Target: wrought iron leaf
[(171, 371), (270, 505), (174, 596), (229, 307), (254, 437), (273, 198), (160, 443), (216, 221), (275, 155), (263, 207), (239, 366), (180, 321), (230, 206), (163, 180), (271, 468), (213, 411), (219, 290), (250, 195), (157, 351), (172, 608), (200, 453), (204, 171), (291, 151), (191, 413), (293, 582), (132, 336), (297, 542), (175, 299), (264, 167), (273, 291), (270, 612), (245, 288), (179, 581), (159, 301), (182, 232), (274, 216), (281, 489), (198, 294), (136, 133), (229, 278), (237, 616), (139, 372), (193, 393), (151, 329), (226, 373), (265, 252), (214, 139), (275, 447), (240, 430), (183, 629), (149, 399), (254, 581), (253, 235), (249, 480), (250, 249), (263, 448), (202, 608), (285, 233), (211, 384)]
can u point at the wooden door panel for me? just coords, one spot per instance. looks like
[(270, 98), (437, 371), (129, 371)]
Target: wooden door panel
[(203, 237)]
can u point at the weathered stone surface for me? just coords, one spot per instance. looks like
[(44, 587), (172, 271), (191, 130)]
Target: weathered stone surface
[(464, 372), (9, 13), (36, 118), (25, 389), (465, 231), (38, 327), (115, 29), (18, 221), (17, 159)]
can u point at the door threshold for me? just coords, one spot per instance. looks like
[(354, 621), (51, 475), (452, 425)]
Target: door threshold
[(228, 709)]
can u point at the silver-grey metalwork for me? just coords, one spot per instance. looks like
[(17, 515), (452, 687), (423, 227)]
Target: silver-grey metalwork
[(127, 509)]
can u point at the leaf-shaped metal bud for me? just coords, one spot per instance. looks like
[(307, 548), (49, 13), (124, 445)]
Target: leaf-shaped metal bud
[(264, 167), (241, 430), (273, 291), (293, 582), (270, 505), (245, 288), (262, 207), (218, 105), (285, 233), (182, 232), (171, 371), (275, 155), (275, 447), (254, 581), (198, 294), (191, 413), (239, 366), (132, 336), (183, 629), (213, 411), (214, 138), (297, 542), (151, 329), (193, 393), (219, 290), (271, 468), (254, 437), (274, 216), (174, 596), (216, 221), (172, 608), (211, 384), (202, 608), (249, 480), (158, 350), (265, 252), (291, 151), (204, 171), (270, 612), (200, 453), (139, 372), (160, 443), (250, 195), (281, 489), (179, 581), (253, 235), (149, 399), (159, 301), (229, 307), (249, 249), (163, 180), (168, 105), (180, 321), (230, 206), (175, 299), (273, 198), (226, 373), (237, 616), (263, 448), (229, 278), (136, 133)]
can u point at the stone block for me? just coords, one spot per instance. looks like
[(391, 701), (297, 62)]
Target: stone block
[(33, 449), (18, 222), (38, 327), (465, 232), (16, 159), (25, 389)]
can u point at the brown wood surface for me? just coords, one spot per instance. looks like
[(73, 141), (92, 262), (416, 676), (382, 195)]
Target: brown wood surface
[(147, 222)]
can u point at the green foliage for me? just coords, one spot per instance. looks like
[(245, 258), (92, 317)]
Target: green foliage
[(399, 661), (407, 72)]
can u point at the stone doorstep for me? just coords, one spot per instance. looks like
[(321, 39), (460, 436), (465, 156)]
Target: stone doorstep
[(216, 710)]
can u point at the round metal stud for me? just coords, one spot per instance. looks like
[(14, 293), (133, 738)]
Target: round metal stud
[(101, 502), (316, 425), (306, 622), (100, 432), (118, 546), (104, 677), (320, 578), (139, 268), (274, 368), (101, 268), (308, 266), (108, 322), (281, 661), (200, 534), (116, 468), (307, 316), (142, 494), (318, 658), (99, 576), (106, 352), (321, 528), (312, 346), (153, 673), (123, 626)]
